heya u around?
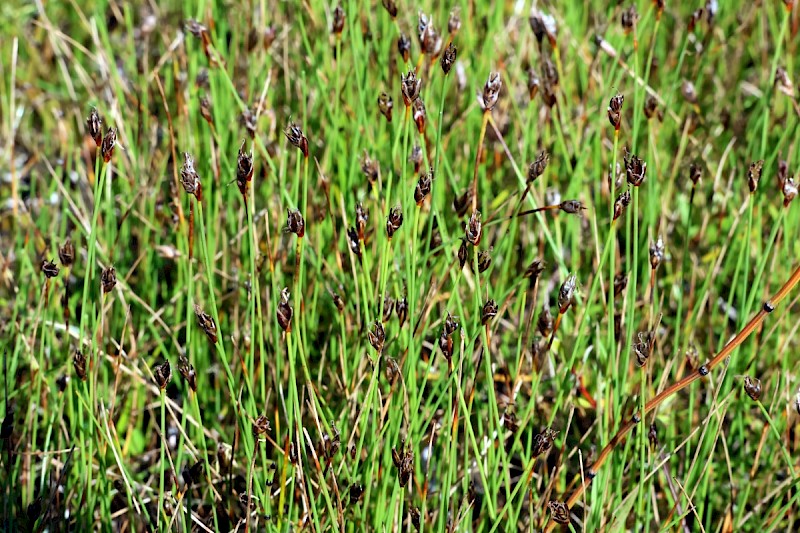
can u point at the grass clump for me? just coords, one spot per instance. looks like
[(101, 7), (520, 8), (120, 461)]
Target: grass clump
[(467, 281)]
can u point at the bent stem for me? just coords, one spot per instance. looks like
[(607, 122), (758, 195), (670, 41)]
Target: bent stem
[(679, 385)]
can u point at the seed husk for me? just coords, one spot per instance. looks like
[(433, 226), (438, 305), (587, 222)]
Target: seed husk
[(162, 373)]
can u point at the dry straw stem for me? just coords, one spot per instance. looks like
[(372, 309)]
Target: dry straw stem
[(701, 372)]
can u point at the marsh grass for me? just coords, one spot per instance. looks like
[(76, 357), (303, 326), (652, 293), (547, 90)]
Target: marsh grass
[(295, 295)]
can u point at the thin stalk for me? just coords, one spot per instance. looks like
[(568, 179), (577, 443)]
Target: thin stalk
[(745, 249), (163, 439), (612, 271), (779, 439), (484, 122), (684, 258)]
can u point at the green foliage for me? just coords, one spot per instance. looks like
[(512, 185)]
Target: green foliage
[(350, 379)]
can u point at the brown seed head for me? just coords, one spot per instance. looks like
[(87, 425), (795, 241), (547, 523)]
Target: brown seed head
[(377, 336), (510, 421), (285, 311), (401, 308), (353, 242), (651, 108), (162, 373), (656, 253), (385, 104), (652, 435), (484, 261), (189, 178), (337, 301), (388, 308), (362, 216), (108, 279), (534, 270), (423, 188), (783, 171), (615, 110), (545, 322), (419, 114), (783, 82), (621, 203), (338, 20), (429, 41), (789, 190), (193, 474), (416, 519), (66, 253), (454, 22), (205, 109), (94, 127), (754, 174), (410, 86), (752, 386), (542, 24), (491, 91), (474, 229), (188, 373), (260, 426), (394, 221), (403, 460), (489, 311), (573, 207), (537, 168), (404, 49), (224, 456), (295, 223), (49, 269), (559, 512), (462, 252), (566, 294), (446, 346), (295, 136), (549, 75), (206, 323), (628, 18), (449, 58), (391, 7), (201, 80), (108, 144), (79, 364), (355, 493), (695, 172), (371, 169), (244, 169), (533, 83), (450, 324), (195, 28), (249, 120), (644, 347), (635, 169), (542, 442), (392, 370)]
